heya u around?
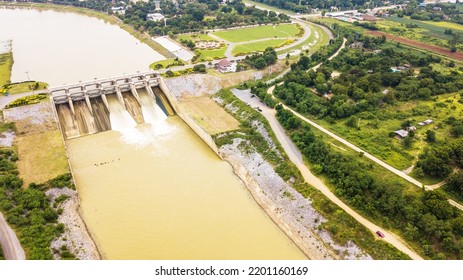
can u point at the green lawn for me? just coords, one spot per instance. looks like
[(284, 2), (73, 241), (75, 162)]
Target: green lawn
[(258, 46), (259, 32), (6, 62), (166, 62), (212, 54), (24, 87)]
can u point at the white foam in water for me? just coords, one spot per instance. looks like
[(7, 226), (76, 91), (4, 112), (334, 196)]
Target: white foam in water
[(155, 126)]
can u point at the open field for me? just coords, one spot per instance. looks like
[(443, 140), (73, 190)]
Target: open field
[(6, 62), (259, 46), (24, 87), (210, 116), (446, 25), (258, 32), (212, 54), (39, 143), (422, 31), (439, 50), (42, 157)]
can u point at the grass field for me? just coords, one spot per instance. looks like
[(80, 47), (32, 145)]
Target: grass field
[(208, 55), (24, 87), (6, 63), (428, 30), (258, 32), (39, 142), (210, 116), (42, 157), (446, 25), (258, 46)]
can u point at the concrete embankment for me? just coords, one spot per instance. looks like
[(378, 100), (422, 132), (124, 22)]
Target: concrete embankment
[(206, 137)]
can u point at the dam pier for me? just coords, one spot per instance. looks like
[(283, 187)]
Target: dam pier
[(85, 107)]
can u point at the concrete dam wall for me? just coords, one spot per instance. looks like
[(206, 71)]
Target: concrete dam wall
[(88, 107)]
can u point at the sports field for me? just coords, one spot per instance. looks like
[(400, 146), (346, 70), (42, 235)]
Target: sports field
[(258, 32)]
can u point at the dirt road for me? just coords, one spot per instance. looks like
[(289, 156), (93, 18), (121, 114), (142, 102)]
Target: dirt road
[(296, 157), (10, 244)]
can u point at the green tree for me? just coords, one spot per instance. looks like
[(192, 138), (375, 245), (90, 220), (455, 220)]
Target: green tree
[(430, 136)]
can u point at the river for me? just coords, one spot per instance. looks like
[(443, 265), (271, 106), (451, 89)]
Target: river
[(148, 191), (62, 48)]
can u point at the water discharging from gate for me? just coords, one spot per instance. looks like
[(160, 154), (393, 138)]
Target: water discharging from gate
[(156, 191)]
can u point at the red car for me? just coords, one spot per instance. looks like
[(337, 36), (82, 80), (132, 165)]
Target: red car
[(380, 234)]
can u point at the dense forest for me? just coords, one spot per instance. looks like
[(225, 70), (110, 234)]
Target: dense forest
[(424, 218)]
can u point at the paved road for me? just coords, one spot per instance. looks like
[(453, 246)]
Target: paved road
[(296, 157), (12, 249)]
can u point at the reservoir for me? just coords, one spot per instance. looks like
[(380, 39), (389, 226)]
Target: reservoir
[(152, 190)]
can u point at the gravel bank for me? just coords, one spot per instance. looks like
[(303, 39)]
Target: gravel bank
[(287, 208), (75, 236)]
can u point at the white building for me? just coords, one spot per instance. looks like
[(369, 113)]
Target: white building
[(155, 17)]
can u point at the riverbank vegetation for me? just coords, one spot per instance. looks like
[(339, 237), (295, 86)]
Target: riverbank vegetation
[(28, 210), (425, 218), (6, 64), (341, 225), (27, 100)]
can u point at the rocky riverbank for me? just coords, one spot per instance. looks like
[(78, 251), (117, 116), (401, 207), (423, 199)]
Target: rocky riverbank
[(75, 236), (290, 210)]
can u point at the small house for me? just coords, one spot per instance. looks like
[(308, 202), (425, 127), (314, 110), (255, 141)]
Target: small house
[(428, 121), (421, 124), (411, 128), (226, 66), (154, 17), (401, 133)]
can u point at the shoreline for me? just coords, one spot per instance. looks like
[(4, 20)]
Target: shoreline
[(76, 236)]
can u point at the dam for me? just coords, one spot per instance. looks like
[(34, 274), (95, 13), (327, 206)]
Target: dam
[(149, 186), (85, 108)]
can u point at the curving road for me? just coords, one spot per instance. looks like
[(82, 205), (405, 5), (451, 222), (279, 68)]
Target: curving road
[(296, 157), (12, 249)]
